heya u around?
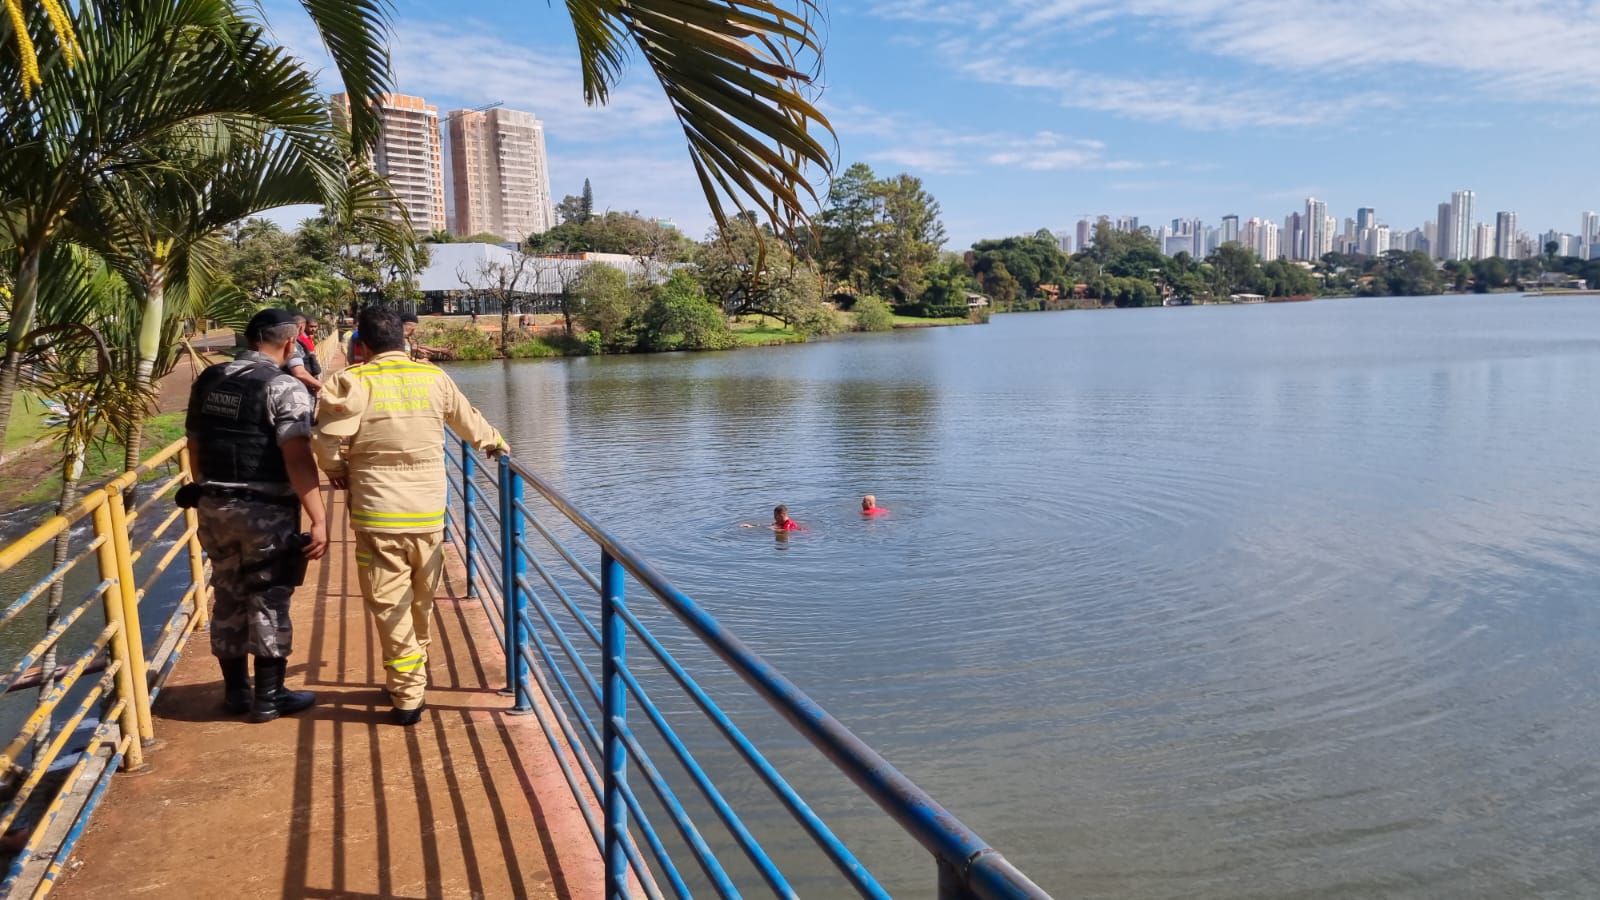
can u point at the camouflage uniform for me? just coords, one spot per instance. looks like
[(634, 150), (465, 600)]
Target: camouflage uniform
[(245, 528), (246, 540)]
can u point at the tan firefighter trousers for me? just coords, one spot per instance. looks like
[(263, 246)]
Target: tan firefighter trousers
[(398, 574)]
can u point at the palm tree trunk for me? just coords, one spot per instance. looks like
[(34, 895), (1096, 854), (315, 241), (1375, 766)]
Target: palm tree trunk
[(71, 472), (24, 299), (152, 317)]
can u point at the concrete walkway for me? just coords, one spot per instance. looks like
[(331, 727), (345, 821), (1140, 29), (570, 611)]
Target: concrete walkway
[(337, 802)]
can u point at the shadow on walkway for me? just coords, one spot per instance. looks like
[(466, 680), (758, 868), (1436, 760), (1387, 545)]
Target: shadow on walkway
[(336, 802)]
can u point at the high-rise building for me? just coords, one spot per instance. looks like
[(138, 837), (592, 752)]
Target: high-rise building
[(1197, 230), (1482, 241), (1319, 235), (1230, 229), (1505, 235), (499, 174), (1589, 231), (408, 155), (1127, 224), (1263, 239), (1063, 242), (1366, 217), (1457, 239), (1440, 238), (1085, 234), (1292, 240)]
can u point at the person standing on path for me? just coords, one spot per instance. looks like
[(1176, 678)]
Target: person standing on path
[(380, 436), (249, 434)]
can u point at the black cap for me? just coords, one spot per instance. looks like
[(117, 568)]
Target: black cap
[(267, 318)]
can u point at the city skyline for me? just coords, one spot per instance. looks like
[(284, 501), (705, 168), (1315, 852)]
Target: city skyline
[(1026, 115), (1456, 233)]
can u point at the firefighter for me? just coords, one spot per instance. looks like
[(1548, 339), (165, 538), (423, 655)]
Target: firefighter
[(380, 436), (249, 432)]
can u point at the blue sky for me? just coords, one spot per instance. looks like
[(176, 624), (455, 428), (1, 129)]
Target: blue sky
[(1022, 114)]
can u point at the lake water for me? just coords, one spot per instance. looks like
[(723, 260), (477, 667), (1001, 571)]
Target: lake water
[(1280, 601)]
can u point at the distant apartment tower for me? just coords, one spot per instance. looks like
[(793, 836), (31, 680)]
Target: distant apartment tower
[(1439, 239), (1230, 229), (1366, 217), (499, 174), (1262, 237), (1085, 234), (1589, 232), (1483, 241), (1457, 239), (1292, 238), (1505, 235), (1063, 241), (407, 155), (1318, 231)]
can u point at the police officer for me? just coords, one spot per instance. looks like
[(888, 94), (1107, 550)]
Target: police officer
[(249, 430), (380, 435)]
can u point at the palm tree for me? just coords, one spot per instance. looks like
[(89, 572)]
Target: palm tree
[(161, 84), (163, 233)]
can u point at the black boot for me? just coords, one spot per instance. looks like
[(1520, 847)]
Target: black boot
[(271, 700), (235, 685)]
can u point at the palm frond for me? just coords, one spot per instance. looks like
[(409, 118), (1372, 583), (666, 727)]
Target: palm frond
[(741, 76), (356, 33)]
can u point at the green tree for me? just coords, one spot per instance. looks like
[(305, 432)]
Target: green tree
[(871, 314), (161, 84), (1491, 273), (1031, 260), (949, 282), (680, 317), (605, 303), (878, 236), (1236, 269), (747, 273), (586, 203)]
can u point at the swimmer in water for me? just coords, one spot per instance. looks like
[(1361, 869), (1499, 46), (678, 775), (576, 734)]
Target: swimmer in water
[(870, 507), (780, 520)]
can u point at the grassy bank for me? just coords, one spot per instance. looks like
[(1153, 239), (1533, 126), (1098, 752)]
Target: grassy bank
[(919, 322), (36, 478), (27, 422), (763, 331)]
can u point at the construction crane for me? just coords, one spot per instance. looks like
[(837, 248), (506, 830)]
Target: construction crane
[(476, 109)]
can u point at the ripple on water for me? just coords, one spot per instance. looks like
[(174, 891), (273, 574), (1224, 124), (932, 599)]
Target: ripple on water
[(1277, 602)]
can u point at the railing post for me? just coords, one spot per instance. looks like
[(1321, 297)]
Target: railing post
[(112, 599), (951, 884), (468, 530), (197, 559), (613, 658), (516, 601), (129, 591)]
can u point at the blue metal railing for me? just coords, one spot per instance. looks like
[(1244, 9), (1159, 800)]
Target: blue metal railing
[(490, 522)]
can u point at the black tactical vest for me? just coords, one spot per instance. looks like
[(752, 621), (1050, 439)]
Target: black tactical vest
[(233, 418)]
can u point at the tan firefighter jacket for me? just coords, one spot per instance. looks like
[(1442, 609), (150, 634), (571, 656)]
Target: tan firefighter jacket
[(381, 425)]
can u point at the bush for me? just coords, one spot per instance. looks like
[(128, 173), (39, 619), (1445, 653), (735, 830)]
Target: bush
[(680, 318), (815, 320), (872, 314), (456, 341), (547, 346), (593, 343)]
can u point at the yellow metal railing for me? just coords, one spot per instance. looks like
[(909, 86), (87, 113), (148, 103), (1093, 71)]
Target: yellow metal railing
[(124, 549)]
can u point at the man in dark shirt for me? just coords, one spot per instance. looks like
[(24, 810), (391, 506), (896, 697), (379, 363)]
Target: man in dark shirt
[(249, 432)]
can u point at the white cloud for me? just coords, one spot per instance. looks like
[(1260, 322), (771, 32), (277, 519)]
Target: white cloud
[(469, 63), (1170, 100), (1535, 49), (918, 146)]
